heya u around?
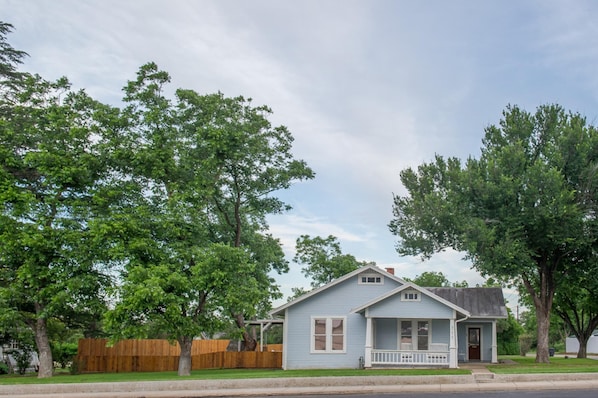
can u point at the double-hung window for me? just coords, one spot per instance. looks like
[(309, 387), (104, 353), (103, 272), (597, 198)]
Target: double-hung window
[(415, 334), (328, 334)]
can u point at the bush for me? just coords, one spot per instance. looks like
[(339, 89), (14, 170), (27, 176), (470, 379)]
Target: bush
[(525, 344), (76, 366), (63, 353), (507, 335), (23, 358), (508, 348), (4, 369)]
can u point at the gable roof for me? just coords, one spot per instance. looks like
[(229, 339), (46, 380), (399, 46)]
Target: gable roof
[(481, 302), (367, 268), (411, 286)]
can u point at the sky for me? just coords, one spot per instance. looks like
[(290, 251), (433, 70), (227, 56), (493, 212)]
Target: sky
[(367, 88)]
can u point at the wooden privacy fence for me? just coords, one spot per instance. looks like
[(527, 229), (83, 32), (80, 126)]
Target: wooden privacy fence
[(94, 355)]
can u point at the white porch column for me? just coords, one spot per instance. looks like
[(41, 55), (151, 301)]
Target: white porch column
[(494, 344), (368, 341), (453, 360)]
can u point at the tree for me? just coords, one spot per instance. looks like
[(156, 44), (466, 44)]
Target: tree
[(323, 259), (297, 292), (523, 212), (249, 161), (158, 228), (507, 335), (189, 225), (10, 58), (434, 279), (51, 170), (184, 299), (575, 303)]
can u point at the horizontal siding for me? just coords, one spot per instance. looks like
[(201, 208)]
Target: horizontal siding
[(427, 308), (441, 331), (337, 300), (386, 334)]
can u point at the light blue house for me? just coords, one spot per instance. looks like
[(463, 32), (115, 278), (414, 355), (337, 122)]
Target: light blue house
[(371, 318)]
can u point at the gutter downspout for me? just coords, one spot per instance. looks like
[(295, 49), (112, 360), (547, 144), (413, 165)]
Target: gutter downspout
[(457, 338)]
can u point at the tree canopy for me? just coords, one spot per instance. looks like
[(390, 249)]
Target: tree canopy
[(10, 59), (323, 259), (163, 200), (434, 279), (200, 173), (523, 212), (52, 168)]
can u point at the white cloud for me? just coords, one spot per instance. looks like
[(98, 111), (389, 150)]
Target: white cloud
[(366, 88)]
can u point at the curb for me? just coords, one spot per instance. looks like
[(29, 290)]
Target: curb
[(302, 386)]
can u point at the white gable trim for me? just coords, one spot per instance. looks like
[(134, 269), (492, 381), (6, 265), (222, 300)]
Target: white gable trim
[(409, 285), (368, 268)]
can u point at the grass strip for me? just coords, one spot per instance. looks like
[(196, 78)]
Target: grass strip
[(223, 374), (528, 365)]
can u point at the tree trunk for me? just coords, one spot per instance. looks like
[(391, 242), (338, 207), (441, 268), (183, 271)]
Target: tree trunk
[(249, 343), (543, 304), (185, 358), (46, 364), (542, 298), (583, 346), (542, 335)]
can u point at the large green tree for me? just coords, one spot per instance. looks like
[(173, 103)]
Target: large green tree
[(51, 168), (197, 173), (520, 212), (249, 161), (158, 228)]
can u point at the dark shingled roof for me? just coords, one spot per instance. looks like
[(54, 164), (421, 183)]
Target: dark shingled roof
[(482, 302)]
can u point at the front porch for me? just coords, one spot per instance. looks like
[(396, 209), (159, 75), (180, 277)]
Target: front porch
[(410, 342), (428, 343)]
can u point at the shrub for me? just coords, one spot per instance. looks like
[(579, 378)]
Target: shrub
[(525, 344), (23, 358), (63, 353), (76, 366), (508, 348)]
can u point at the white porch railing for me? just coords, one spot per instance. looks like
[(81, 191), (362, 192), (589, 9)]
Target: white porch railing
[(393, 357)]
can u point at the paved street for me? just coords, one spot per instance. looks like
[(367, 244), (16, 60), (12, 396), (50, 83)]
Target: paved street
[(504, 394)]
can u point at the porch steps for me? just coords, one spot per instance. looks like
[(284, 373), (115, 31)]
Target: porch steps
[(480, 372)]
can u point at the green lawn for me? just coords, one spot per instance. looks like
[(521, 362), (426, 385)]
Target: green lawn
[(516, 365), (528, 364), (222, 374)]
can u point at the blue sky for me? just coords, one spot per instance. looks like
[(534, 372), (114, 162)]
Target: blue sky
[(367, 88)]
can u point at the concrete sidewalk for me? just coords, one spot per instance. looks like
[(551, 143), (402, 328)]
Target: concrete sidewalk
[(306, 386)]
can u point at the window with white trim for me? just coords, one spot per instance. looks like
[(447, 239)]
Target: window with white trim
[(415, 334), (423, 329), (410, 295), (371, 279), (328, 334)]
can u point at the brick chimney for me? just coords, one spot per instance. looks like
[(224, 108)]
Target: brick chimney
[(390, 271)]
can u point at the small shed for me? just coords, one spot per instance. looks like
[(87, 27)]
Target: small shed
[(572, 344)]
